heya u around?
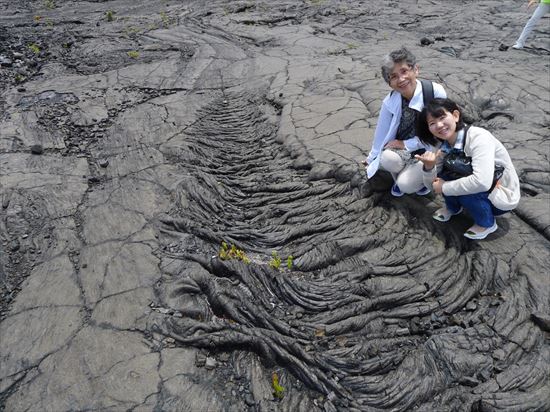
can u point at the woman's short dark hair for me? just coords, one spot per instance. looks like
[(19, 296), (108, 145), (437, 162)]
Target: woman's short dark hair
[(436, 108), (402, 55)]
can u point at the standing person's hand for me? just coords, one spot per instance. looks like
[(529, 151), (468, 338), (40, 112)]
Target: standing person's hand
[(395, 144), (437, 185), (532, 3), (429, 159)]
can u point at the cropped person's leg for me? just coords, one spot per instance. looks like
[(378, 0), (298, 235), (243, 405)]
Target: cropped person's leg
[(540, 11)]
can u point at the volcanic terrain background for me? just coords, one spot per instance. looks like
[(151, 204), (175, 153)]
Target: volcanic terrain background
[(185, 224)]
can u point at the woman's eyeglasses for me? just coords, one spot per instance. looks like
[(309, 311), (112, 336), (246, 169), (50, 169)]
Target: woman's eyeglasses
[(402, 72)]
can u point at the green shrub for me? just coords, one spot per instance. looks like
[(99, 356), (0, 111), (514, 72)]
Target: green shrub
[(278, 390), (228, 253), (34, 48), (275, 261)]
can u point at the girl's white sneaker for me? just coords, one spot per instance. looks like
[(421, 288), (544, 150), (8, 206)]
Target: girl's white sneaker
[(470, 234), (444, 215)]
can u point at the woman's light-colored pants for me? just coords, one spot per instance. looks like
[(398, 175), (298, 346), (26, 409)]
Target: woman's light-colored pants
[(540, 11), (407, 175)]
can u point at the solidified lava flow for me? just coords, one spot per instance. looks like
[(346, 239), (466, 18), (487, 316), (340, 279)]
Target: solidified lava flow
[(185, 223), (369, 310)]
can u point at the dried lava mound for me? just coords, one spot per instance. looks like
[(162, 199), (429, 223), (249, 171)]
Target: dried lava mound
[(373, 311)]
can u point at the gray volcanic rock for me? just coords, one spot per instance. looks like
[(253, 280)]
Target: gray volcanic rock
[(37, 149), (198, 234)]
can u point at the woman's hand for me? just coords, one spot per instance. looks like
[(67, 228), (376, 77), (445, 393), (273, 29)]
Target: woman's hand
[(437, 185), (395, 144), (429, 159), (532, 3)]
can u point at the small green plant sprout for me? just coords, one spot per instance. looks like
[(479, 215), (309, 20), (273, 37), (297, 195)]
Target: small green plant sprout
[(228, 253), (37, 18), (223, 254), (19, 78), (133, 54), (50, 4), (289, 262), (109, 15), (278, 390), (351, 46), (34, 48), (275, 261)]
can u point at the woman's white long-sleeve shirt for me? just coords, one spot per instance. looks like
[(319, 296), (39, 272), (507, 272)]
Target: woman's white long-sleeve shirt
[(486, 151), (388, 123)]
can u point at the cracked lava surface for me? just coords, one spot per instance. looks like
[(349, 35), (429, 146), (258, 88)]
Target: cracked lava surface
[(136, 137)]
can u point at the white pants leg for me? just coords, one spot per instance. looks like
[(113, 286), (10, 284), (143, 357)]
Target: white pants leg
[(391, 162), (410, 180), (540, 11), (408, 176)]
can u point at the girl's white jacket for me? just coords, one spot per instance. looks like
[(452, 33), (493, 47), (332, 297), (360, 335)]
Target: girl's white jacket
[(486, 151)]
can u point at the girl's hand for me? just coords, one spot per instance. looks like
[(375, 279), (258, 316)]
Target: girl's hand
[(429, 159), (437, 185), (532, 3), (395, 144)]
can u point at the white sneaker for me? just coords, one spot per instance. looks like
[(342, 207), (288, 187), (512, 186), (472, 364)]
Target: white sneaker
[(517, 46), (470, 234), (444, 214)]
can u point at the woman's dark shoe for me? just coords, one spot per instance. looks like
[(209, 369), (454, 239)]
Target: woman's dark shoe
[(423, 192), (395, 191)]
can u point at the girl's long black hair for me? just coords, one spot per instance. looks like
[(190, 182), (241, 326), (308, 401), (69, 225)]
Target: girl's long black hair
[(436, 108)]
